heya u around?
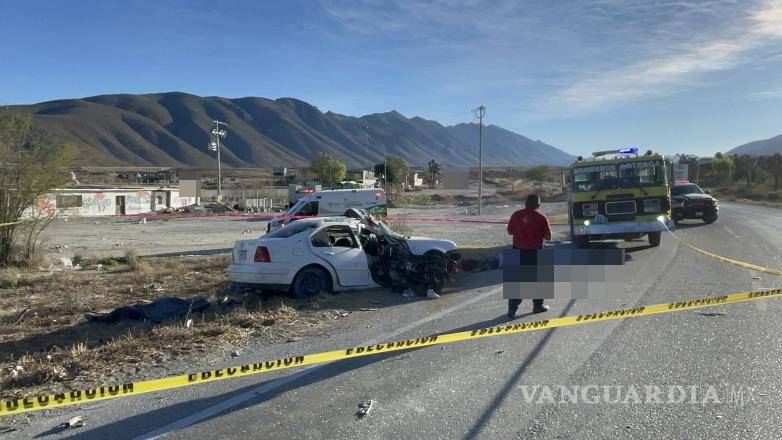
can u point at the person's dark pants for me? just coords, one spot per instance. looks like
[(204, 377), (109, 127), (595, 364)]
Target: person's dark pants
[(513, 305)]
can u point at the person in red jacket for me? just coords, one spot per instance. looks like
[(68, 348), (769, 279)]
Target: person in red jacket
[(529, 228)]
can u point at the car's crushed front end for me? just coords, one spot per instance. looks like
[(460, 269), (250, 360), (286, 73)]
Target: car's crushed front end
[(399, 262)]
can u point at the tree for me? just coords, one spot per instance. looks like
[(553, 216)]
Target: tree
[(512, 173), (30, 169), (773, 165), (432, 172), (745, 167), (395, 166), (327, 169), (721, 169), (537, 174)]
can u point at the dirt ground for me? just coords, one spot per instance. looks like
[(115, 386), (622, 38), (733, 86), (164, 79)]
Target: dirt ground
[(47, 345)]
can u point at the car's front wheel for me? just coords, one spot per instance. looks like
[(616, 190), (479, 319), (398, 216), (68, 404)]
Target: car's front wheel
[(710, 218), (310, 281)]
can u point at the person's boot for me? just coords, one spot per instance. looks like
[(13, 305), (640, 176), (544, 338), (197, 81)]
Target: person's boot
[(512, 308), (539, 307)]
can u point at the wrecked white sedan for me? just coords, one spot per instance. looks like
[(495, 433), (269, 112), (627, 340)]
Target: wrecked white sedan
[(331, 254)]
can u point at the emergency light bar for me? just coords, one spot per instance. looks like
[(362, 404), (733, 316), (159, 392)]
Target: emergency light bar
[(628, 150)]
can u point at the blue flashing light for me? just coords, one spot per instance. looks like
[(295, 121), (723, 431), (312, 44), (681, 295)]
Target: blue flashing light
[(630, 150)]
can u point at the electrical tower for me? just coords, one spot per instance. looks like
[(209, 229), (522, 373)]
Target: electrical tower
[(480, 112), (214, 145)]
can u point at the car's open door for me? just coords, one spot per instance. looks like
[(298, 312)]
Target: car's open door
[(338, 245)]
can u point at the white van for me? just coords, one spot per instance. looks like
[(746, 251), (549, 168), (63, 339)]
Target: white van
[(334, 202)]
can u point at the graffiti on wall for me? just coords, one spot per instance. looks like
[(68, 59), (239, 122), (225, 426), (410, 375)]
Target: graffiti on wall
[(45, 206), (99, 202)]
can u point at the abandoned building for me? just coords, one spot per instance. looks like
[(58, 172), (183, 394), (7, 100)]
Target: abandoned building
[(89, 202)]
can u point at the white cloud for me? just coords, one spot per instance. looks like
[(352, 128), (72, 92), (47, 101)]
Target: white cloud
[(773, 93), (668, 72)]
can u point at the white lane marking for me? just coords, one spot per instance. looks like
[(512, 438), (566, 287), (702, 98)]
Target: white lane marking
[(277, 383), (730, 231)]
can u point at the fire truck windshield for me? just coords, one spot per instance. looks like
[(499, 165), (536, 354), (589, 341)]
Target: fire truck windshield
[(615, 176)]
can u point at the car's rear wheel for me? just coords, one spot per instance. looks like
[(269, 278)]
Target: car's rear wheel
[(310, 281), (655, 238)]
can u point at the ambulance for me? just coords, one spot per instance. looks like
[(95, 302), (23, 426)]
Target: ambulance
[(334, 202)]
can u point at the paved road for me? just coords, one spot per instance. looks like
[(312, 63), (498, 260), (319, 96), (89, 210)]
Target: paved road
[(485, 388)]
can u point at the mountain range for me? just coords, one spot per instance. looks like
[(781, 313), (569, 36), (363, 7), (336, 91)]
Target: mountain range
[(762, 147), (173, 129)]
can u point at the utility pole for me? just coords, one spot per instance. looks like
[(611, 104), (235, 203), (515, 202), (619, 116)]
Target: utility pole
[(215, 146), (479, 112), (366, 148), (385, 175)]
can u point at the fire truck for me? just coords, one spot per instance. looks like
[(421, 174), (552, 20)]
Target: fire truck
[(618, 194)]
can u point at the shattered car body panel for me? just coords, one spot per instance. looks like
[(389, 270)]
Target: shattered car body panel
[(398, 262)]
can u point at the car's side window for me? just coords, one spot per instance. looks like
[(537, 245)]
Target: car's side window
[(334, 236), (340, 236), (309, 209), (321, 239)]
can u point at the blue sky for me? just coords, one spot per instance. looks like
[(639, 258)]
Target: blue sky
[(671, 75)]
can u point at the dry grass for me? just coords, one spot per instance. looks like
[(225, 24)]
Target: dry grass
[(46, 344)]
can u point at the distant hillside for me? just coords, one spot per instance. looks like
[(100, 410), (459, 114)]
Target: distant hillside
[(172, 129), (760, 148)]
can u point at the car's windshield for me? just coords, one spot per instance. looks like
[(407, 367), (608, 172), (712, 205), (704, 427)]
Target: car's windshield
[(681, 190), (624, 175)]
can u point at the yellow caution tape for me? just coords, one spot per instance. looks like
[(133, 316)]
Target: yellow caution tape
[(34, 403), (751, 266)]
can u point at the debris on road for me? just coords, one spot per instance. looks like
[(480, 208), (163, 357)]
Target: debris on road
[(474, 265), (368, 309), (156, 311), (364, 408), (74, 422), (712, 314)]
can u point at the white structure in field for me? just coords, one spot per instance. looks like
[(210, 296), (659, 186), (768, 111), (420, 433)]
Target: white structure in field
[(88, 202)]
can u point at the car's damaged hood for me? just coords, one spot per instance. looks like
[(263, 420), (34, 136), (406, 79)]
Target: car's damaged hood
[(420, 245)]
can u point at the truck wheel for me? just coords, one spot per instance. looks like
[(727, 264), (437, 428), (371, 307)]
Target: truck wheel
[(581, 241), (311, 281), (654, 238)]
